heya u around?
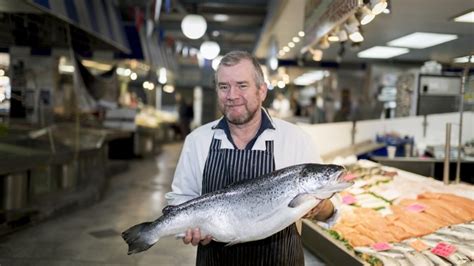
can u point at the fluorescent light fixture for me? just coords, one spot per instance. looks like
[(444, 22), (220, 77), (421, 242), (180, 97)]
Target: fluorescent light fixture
[(382, 52), (162, 76), (366, 15), (168, 88), (378, 6), (468, 17), (310, 77), (463, 59), (66, 69), (221, 17), (356, 37), (420, 40)]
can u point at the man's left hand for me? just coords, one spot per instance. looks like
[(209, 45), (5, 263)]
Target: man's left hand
[(323, 211)]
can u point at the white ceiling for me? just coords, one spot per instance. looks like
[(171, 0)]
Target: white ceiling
[(407, 16)]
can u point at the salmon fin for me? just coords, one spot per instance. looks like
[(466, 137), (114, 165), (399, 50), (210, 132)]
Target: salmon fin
[(299, 199), (136, 238), (168, 209)]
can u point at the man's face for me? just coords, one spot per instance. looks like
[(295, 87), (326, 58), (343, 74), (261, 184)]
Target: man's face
[(238, 96)]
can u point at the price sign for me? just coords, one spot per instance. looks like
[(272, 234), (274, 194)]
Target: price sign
[(415, 207), (381, 246), (349, 199), (443, 249), (349, 177)]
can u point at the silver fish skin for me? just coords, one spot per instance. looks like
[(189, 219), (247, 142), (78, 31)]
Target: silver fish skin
[(461, 235), (246, 211)]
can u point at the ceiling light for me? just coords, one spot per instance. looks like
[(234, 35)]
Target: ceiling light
[(273, 62), (221, 17), (366, 15), (318, 57), (382, 52), (324, 43), (378, 6), (193, 26), (281, 84), (309, 78), (356, 36), (296, 39), (351, 25), (281, 53), (162, 76), (286, 49), (334, 36), (291, 44), (168, 88), (215, 62), (209, 50), (215, 33), (133, 76), (342, 34), (420, 40), (301, 33), (468, 17), (464, 59)]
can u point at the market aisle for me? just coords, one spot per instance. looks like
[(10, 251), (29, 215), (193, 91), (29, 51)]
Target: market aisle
[(91, 236)]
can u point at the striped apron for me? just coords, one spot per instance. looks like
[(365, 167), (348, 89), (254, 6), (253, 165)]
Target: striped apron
[(226, 166)]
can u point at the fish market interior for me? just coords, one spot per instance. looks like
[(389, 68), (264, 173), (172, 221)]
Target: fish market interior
[(97, 98)]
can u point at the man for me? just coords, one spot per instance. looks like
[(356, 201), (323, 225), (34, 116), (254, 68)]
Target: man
[(244, 144)]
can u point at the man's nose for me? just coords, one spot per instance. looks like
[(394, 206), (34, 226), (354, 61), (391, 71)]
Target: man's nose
[(233, 92)]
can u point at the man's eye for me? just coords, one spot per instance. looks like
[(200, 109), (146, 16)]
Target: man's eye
[(243, 86), (223, 87)]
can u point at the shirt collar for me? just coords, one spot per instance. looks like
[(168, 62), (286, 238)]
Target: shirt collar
[(266, 123)]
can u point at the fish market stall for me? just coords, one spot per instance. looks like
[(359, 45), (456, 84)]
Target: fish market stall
[(48, 170), (390, 216)]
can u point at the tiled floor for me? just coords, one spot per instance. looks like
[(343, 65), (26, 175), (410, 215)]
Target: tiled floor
[(91, 236)]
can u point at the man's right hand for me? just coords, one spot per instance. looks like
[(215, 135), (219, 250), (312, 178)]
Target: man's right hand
[(193, 236)]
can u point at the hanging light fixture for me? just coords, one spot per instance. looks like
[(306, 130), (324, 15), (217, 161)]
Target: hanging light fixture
[(366, 15), (193, 26), (342, 34), (324, 43), (356, 36), (378, 6), (334, 35), (209, 50), (352, 28)]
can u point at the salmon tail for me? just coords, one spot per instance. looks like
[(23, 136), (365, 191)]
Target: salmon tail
[(138, 238)]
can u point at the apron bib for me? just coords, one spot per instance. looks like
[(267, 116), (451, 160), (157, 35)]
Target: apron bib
[(227, 166)]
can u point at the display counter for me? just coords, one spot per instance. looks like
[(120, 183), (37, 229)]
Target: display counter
[(389, 207), (431, 167), (44, 171)]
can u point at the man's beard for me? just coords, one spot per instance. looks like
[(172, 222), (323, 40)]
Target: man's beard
[(240, 120)]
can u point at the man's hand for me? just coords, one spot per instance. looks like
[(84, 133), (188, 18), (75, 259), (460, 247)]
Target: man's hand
[(323, 211), (193, 236)]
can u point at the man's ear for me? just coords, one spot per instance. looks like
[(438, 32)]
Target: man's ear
[(263, 91)]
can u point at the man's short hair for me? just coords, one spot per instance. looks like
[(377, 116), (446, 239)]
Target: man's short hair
[(234, 57)]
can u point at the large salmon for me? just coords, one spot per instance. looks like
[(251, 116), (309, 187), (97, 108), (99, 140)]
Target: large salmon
[(246, 211)]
